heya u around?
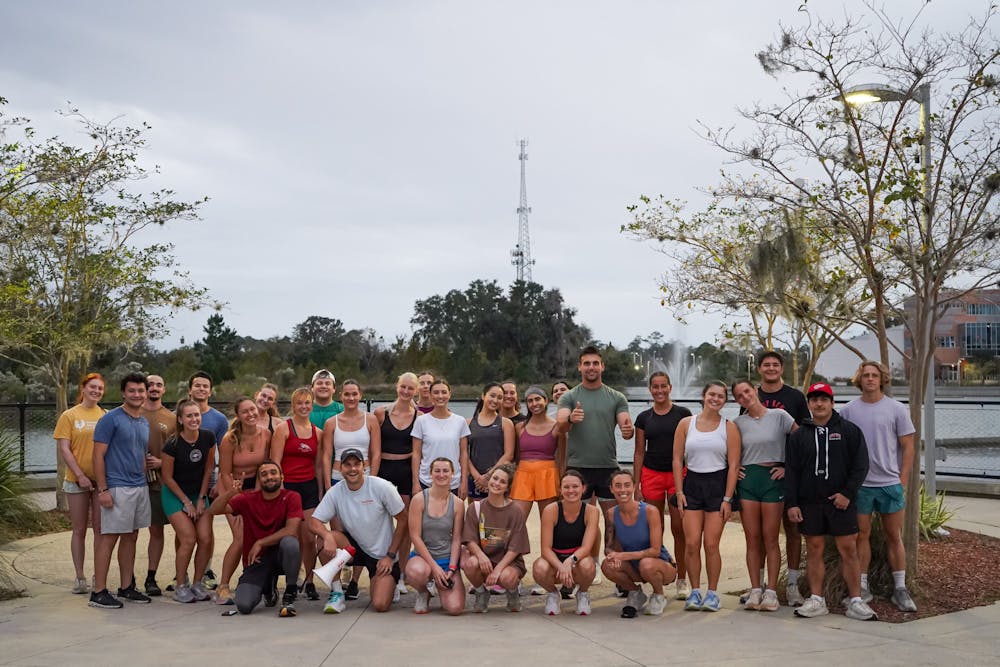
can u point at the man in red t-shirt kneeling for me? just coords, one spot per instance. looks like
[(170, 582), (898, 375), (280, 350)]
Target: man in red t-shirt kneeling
[(271, 518)]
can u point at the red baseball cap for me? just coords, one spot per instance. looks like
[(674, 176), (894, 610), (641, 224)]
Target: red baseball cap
[(820, 388)]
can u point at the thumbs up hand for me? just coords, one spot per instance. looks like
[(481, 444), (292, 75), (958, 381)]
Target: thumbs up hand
[(576, 416)]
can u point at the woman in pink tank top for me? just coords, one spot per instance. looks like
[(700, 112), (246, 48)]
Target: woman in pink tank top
[(541, 455)]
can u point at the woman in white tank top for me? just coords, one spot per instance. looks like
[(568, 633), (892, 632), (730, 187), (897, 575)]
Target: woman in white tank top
[(711, 444), (351, 429)]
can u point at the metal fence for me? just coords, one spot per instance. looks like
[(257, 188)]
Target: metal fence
[(968, 433)]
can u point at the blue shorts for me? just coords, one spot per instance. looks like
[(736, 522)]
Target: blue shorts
[(443, 563), (881, 499)]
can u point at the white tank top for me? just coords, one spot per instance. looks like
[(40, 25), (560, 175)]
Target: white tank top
[(706, 451), (344, 440)]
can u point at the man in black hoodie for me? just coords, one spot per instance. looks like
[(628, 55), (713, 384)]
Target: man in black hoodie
[(826, 461)]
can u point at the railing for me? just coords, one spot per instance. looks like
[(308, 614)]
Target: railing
[(968, 433)]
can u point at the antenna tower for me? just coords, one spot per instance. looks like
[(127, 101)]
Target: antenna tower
[(520, 256)]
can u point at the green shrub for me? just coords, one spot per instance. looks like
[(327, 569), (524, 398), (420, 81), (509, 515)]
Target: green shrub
[(933, 514)]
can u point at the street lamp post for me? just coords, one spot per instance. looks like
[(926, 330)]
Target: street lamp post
[(865, 94)]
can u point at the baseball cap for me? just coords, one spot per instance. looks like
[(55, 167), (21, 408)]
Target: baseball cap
[(322, 374), (352, 453), (820, 388)]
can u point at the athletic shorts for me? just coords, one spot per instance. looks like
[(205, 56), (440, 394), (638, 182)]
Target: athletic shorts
[(658, 485), (704, 490), (758, 486), (535, 480), (308, 491), (597, 482), (443, 563), (170, 503), (825, 519), (129, 513), (157, 515), (399, 472), (881, 499), (369, 562)]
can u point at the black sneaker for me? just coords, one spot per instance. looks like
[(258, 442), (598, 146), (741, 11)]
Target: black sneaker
[(210, 580), (271, 594), (621, 593), (105, 600), (352, 591), (311, 592), (172, 585), (152, 589), (287, 605), (133, 595)]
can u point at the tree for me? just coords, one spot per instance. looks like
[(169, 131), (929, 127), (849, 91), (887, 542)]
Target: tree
[(902, 227), (77, 273), (218, 353)]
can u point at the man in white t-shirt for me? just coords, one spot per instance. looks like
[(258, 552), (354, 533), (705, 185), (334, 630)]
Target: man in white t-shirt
[(366, 507), (888, 431)]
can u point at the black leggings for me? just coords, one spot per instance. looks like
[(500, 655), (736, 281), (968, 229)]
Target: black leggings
[(258, 577)]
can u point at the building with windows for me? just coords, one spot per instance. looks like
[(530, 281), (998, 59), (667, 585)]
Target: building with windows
[(968, 332)]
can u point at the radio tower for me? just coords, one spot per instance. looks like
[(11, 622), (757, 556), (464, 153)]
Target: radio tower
[(520, 256)]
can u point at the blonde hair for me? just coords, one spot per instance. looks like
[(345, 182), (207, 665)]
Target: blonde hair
[(235, 431), (300, 393), (882, 369), (409, 376)]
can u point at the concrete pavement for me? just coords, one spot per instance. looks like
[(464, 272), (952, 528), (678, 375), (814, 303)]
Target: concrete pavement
[(54, 627)]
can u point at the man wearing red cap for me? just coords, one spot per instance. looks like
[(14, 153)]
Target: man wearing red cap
[(826, 461)]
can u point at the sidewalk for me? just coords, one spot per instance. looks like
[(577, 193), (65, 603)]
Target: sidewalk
[(54, 627)]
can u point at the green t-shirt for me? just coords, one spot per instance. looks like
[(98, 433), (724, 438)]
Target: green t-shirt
[(321, 413), (591, 443)]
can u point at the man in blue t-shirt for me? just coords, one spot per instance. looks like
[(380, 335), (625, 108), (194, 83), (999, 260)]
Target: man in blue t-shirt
[(121, 441)]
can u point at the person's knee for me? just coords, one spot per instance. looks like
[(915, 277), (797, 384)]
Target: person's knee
[(540, 569), (244, 606)]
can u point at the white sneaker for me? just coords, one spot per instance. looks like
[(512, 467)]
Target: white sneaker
[(636, 599), (80, 587), (552, 604), (656, 605), (538, 590), (432, 588), (859, 611), (395, 595), (812, 608), (866, 595), (795, 598), (335, 603), (597, 578), (683, 589), (769, 601), (422, 604), (753, 600), (401, 587), (583, 603)]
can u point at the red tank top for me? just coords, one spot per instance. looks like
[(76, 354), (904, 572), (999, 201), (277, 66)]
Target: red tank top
[(299, 460)]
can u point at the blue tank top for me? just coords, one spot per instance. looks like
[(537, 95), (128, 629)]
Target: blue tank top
[(636, 536)]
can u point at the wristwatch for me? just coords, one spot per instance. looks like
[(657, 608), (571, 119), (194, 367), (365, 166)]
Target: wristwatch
[(390, 554), (727, 499), (574, 559)]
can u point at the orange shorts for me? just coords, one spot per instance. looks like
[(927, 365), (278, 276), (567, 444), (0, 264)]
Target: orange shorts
[(535, 480), (657, 485)]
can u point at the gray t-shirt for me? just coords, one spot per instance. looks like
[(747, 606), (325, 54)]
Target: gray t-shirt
[(366, 513), (883, 423), (591, 443), (764, 438)]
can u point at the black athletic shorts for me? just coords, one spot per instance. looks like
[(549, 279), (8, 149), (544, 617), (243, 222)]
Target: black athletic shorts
[(825, 519), (704, 490), (369, 562), (399, 472), (308, 491), (597, 481)]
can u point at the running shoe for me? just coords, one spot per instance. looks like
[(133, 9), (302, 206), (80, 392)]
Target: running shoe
[(422, 603), (711, 602), (693, 602), (401, 586), (656, 605), (271, 593), (105, 600), (395, 595), (497, 589), (583, 603), (866, 595), (80, 587), (311, 592), (133, 595), (184, 594), (172, 585), (793, 595), (223, 596), (513, 601), (335, 603), (201, 594), (620, 592), (636, 599), (482, 602), (538, 590), (287, 605), (769, 601), (901, 598), (683, 589), (432, 588), (754, 597), (552, 604), (211, 583), (151, 587), (597, 578), (812, 608), (859, 611), (566, 593), (352, 591)]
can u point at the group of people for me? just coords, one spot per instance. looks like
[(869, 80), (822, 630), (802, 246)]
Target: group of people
[(418, 495)]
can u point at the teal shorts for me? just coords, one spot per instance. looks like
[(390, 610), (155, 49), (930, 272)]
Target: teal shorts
[(758, 486), (881, 499), (171, 503)]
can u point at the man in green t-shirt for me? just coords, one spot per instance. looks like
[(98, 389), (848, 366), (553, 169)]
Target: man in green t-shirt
[(589, 413), (324, 385)]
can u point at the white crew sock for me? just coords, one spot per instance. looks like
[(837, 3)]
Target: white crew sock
[(899, 578), (864, 581)]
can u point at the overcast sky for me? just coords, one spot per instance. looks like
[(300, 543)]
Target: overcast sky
[(362, 155)]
